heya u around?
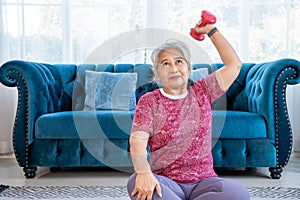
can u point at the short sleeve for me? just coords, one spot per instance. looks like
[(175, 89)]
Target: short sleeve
[(143, 116), (209, 85)]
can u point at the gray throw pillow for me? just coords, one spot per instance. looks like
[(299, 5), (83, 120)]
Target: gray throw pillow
[(110, 91)]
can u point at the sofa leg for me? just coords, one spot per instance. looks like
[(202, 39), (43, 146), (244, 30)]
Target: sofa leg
[(55, 169), (30, 172), (251, 170), (275, 172)]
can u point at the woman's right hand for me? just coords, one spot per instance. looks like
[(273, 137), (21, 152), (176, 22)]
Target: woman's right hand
[(145, 183)]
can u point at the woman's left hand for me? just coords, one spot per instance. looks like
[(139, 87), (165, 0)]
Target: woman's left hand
[(204, 29)]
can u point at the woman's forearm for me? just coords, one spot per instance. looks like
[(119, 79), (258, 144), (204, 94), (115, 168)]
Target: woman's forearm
[(138, 144), (232, 64), (145, 182), (225, 50)]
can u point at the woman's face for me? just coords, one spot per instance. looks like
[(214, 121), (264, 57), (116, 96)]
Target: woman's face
[(172, 71)]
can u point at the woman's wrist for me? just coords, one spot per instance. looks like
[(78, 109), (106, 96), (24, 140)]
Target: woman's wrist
[(140, 162), (212, 31), (145, 172)]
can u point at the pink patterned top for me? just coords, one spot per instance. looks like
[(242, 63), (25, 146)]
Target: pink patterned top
[(180, 130)]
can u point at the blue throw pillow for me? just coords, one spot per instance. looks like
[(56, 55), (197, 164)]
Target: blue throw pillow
[(110, 91), (198, 74)]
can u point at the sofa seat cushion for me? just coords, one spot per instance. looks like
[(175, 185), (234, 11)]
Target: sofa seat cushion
[(117, 124), (238, 125), (84, 125)]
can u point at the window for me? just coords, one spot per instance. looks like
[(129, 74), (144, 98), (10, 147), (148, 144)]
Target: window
[(65, 31), (58, 31)]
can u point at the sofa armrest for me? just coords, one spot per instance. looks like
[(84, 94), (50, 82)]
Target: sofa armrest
[(266, 95), (39, 91)]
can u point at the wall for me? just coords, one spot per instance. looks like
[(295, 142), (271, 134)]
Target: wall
[(8, 103), (293, 96)]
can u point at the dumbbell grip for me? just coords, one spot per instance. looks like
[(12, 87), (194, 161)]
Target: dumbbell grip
[(206, 18)]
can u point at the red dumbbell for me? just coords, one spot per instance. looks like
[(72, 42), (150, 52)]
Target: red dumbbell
[(206, 18)]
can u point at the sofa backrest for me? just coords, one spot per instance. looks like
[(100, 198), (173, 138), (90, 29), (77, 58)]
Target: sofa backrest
[(74, 84)]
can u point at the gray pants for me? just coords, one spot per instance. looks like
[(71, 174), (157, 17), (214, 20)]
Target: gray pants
[(213, 188)]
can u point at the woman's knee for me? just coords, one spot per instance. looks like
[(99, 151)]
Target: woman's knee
[(170, 189), (131, 183), (234, 190), (220, 189)]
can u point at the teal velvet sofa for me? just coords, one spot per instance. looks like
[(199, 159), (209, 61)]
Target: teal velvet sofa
[(251, 126)]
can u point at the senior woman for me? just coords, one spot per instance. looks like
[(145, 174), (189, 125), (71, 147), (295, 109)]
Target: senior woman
[(175, 123)]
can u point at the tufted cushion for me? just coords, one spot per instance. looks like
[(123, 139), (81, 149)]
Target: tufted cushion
[(81, 153), (145, 81), (243, 153)]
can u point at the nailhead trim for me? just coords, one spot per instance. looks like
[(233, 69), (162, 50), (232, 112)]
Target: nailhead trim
[(286, 115), (26, 116)]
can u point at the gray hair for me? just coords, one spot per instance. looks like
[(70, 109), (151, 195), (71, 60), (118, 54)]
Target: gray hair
[(171, 44)]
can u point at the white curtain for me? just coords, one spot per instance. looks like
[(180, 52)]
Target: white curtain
[(8, 97), (67, 31)]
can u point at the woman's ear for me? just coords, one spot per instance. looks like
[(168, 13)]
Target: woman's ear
[(190, 69), (156, 76)]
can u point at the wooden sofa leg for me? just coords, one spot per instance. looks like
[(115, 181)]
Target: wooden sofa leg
[(30, 172), (275, 172)]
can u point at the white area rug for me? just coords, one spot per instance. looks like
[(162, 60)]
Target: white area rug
[(120, 193)]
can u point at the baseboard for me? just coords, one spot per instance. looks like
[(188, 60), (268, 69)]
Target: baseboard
[(5, 148), (296, 154), (296, 146)]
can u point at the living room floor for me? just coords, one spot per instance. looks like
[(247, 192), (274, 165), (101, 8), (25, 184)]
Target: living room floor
[(11, 174)]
